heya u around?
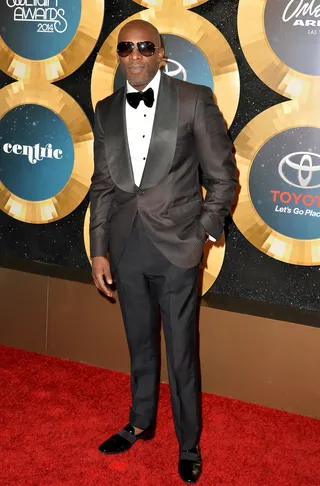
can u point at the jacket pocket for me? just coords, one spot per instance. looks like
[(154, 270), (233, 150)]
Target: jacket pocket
[(185, 211)]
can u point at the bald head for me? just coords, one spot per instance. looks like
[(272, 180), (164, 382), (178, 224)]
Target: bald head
[(139, 67), (143, 27)]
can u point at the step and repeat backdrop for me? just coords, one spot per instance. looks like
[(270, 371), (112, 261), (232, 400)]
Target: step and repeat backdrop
[(261, 58)]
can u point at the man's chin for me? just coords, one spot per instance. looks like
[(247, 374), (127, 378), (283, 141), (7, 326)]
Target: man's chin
[(137, 81)]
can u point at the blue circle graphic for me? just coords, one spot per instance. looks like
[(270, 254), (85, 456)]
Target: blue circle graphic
[(284, 183), (185, 61), (293, 33), (36, 152), (39, 29)]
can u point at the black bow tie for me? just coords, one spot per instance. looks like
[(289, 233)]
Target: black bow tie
[(135, 98)]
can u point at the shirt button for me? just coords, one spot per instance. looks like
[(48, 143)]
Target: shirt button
[(144, 115), (144, 158), (143, 136)]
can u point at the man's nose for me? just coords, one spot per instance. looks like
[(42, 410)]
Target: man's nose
[(135, 54)]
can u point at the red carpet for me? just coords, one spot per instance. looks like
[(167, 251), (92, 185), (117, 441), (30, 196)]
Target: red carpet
[(54, 413)]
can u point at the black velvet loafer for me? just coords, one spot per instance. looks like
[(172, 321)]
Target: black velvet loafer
[(190, 465), (123, 440)]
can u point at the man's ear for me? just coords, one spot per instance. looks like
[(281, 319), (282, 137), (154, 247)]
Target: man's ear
[(160, 55), (161, 50)]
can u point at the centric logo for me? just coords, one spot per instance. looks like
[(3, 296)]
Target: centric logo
[(304, 170), (46, 159), (36, 152)]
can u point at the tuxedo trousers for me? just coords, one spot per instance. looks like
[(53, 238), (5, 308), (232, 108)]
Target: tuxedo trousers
[(147, 282)]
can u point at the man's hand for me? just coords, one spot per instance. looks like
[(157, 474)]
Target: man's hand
[(101, 274)]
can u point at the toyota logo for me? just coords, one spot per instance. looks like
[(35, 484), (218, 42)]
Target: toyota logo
[(306, 166), (179, 69)]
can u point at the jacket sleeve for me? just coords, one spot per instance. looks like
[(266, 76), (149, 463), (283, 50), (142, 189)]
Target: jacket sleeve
[(101, 192), (214, 150)]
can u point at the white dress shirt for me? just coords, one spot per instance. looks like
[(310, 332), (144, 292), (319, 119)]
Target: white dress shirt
[(139, 128), (139, 123)]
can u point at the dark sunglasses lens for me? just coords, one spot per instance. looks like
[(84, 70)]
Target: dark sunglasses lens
[(125, 48), (146, 48)]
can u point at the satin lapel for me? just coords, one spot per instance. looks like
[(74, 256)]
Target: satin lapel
[(164, 135), (117, 147)]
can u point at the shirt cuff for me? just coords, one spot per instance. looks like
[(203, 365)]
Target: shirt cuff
[(211, 238)]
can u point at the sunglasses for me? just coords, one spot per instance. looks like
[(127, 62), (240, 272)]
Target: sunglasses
[(146, 48)]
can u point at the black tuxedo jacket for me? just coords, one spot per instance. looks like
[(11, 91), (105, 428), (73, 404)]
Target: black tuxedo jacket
[(188, 134)]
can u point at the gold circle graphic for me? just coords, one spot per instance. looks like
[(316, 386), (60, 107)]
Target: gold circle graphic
[(210, 269), (263, 60), (68, 60), (248, 143), (63, 203), (170, 3), (192, 27)]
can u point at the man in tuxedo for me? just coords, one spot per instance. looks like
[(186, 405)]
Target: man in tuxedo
[(151, 138)]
